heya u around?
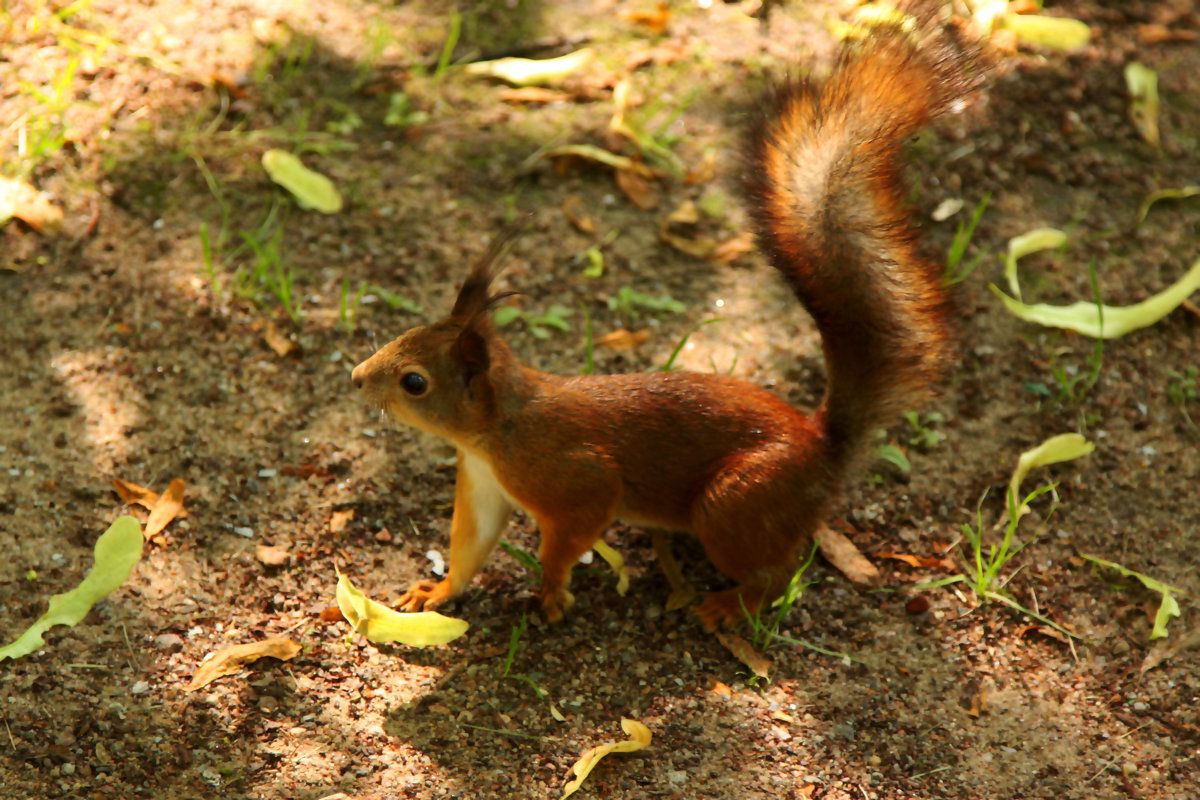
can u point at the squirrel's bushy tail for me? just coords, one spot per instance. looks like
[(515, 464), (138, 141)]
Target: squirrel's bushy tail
[(829, 202)]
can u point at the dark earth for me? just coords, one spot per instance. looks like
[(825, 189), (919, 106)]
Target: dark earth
[(135, 352)]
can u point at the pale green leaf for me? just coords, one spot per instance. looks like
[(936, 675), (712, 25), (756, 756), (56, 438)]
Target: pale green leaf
[(311, 189), (381, 624), (1064, 447), (1084, 317), (1059, 33), (1025, 244), (117, 551), (1169, 607), (1142, 83), (530, 71), (1165, 194)]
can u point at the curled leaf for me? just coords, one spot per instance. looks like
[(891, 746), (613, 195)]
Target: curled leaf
[(617, 563), (311, 189), (117, 551), (639, 737), (132, 494), (531, 71), (1169, 607), (1064, 447), (682, 592), (381, 624), (1085, 318), (599, 155), (1025, 244), (168, 507), (1165, 194), (231, 660)]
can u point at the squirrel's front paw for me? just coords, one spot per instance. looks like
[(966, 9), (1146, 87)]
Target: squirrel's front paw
[(425, 595), (555, 601)]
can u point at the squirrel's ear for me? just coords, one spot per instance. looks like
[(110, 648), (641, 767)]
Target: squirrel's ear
[(470, 351)]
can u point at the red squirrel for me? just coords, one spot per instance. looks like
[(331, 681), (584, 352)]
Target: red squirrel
[(749, 475)]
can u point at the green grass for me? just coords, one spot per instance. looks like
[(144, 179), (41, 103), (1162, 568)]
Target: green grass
[(920, 431), (629, 303), (670, 365), (985, 564), (1074, 387), (956, 271), (1182, 388), (766, 631), (514, 639)]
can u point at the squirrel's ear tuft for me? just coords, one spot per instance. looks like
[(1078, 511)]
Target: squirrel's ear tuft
[(473, 298)]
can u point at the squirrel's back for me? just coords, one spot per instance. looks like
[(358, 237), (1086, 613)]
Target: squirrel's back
[(827, 195)]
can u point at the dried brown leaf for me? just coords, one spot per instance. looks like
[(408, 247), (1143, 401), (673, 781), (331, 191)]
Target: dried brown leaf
[(655, 20), (232, 659), (168, 507), (622, 339), (921, 562), (731, 250), (744, 652), (639, 190), (19, 199), (271, 555), (1157, 34), (534, 94), (278, 341), (848, 559), (573, 209), (662, 53), (339, 519), (133, 494), (332, 614)]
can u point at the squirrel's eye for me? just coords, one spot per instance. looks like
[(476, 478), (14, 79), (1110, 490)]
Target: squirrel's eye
[(414, 383)]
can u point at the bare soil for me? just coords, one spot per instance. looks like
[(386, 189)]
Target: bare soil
[(124, 360)]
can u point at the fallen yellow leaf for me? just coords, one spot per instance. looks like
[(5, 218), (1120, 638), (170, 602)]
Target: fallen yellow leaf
[(617, 563), (639, 737), (381, 624), (232, 659)]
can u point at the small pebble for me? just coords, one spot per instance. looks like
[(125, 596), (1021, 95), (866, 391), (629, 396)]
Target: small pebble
[(247, 532), (168, 642), (140, 688)]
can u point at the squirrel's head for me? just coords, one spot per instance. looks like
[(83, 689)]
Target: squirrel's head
[(437, 378)]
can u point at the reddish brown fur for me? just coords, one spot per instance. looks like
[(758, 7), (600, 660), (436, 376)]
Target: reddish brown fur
[(745, 472)]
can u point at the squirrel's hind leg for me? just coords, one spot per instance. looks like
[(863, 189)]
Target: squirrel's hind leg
[(752, 520)]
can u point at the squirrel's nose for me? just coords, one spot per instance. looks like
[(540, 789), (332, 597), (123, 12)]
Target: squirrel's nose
[(356, 377)]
